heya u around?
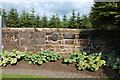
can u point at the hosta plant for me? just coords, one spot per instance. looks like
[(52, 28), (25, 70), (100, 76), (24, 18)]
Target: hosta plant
[(49, 56), (85, 60), (12, 57), (75, 57), (92, 62), (42, 57)]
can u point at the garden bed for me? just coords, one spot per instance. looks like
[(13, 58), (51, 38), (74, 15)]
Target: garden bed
[(62, 67)]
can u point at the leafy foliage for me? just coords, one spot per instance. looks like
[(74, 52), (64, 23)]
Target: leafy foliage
[(72, 21), (44, 22), (65, 22), (42, 57), (105, 15), (10, 57), (85, 60), (39, 58), (54, 22), (34, 20), (13, 18), (112, 60)]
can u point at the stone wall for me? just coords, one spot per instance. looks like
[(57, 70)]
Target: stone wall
[(62, 41)]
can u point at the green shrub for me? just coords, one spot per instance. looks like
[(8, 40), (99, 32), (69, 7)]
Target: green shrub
[(85, 61)]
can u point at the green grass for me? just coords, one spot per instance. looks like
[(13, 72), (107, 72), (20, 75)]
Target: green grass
[(24, 77), (20, 76)]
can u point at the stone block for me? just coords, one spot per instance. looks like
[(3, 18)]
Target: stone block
[(62, 47), (46, 38), (25, 29), (54, 43), (77, 43), (49, 33), (77, 31), (84, 42), (52, 49), (62, 30), (48, 42), (58, 50), (49, 38), (47, 46), (65, 54), (54, 46), (60, 42), (64, 50), (60, 38), (39, 47)]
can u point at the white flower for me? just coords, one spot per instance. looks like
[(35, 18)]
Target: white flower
[(41, 49), (25, 48), (2, 46)]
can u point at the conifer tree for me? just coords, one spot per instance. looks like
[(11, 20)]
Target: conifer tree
[(13, 18), (57, 21), (44, 22), (25, 20), (72, 20), (105, 15), (65, 22), (54, 22), (4, 17), (38, 21), (33, 18), (78, 20)]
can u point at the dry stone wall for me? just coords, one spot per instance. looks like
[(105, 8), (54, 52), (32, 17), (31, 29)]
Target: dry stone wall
[(60, 40)]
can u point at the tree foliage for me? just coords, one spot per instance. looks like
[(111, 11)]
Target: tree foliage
[(31, 19), (54, 22), (13, 18), (65, 21), (44, 21), (24, 19), (106, 15), (72, 20), (78, 21)]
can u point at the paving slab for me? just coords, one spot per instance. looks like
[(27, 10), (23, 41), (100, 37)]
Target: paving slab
[(46, 73)]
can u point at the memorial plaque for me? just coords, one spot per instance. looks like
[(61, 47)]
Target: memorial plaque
[(54, 37), (69, 36), (69, 42), (39, 35), (24, 35), (38, 42)]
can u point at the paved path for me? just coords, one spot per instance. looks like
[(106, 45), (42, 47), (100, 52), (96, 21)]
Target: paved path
[(47, 73)]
